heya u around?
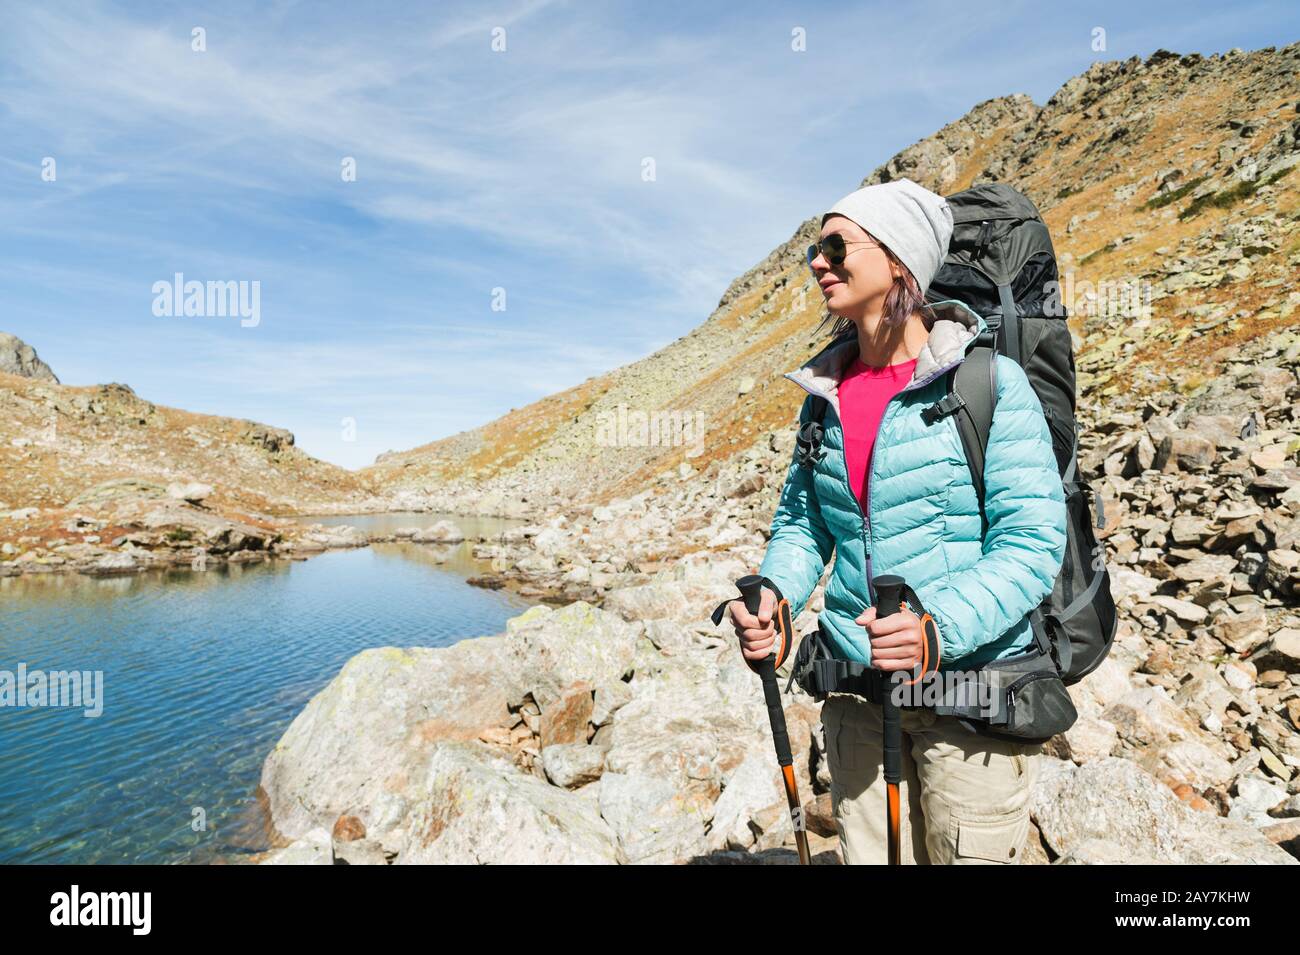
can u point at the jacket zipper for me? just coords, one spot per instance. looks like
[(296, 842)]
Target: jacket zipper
[(865, 525), (871, 471), (866, 542)]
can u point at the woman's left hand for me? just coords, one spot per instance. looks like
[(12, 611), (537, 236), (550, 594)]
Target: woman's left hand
[(897, 641)]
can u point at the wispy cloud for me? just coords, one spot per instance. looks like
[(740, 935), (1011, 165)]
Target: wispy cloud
[(477, 170)]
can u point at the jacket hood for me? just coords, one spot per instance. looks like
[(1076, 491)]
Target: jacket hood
[(956, 326)]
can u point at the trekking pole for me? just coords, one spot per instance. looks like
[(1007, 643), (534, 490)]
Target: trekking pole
[(889, 587), (751, 589)]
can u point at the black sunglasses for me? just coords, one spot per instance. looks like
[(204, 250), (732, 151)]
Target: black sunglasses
[(834, 248)]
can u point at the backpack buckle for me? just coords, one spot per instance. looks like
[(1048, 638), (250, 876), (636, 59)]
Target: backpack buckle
[(809, 444), (949, 404)]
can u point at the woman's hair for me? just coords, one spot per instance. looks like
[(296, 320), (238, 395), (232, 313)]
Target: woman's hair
[(903, 298)]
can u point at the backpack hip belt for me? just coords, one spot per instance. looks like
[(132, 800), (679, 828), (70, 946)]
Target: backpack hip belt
[(1019, 698)]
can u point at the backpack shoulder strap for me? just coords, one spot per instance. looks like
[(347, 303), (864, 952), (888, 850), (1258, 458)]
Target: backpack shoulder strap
[(809, 441), (819, 406), (975, 381)]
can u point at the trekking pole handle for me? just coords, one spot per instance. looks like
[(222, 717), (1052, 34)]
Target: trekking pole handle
[(751, 590), (889, 589)]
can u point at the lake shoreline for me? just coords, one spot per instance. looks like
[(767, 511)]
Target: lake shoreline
[(202, 674), (183, 536)]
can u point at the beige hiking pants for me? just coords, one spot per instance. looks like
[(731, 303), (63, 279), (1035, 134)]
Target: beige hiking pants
[(964, 798)]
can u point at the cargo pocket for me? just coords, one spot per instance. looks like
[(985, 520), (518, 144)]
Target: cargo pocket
[(991, 838), (840, 752)]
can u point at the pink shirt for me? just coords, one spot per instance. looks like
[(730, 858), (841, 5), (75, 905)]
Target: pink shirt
[(863, 394)]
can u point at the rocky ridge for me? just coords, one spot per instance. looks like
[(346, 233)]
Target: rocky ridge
[(1171, 178), (98, 480), (19, 358)]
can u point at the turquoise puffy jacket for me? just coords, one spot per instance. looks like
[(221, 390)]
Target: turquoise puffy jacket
[(924, 520)]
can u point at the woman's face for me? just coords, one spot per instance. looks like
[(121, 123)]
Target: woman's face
[(862, 280)]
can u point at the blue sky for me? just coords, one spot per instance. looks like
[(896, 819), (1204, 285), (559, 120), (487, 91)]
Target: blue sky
[(476, 170)]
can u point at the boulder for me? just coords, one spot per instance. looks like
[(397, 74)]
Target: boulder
[(267, 438), (314, 848), (572, 765), (1253, 797), (565, 719), (362, 745), (1115, 801), (678, 592), (116, 490), (191, 492), (475, 807), (1184, 451), (359, 852), (119, 563), (19, 358), (323, 537), (179, 524), (654, 822), (751, 789), (1281, 652), (443, 532), (551, 649), (609, 698), (1244, 632), (1104, 852), (1090, 738)]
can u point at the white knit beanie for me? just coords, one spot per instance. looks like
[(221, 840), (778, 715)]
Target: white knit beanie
[(912, 221)]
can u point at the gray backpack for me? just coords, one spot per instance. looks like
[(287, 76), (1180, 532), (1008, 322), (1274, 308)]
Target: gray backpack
[(1000, 262)]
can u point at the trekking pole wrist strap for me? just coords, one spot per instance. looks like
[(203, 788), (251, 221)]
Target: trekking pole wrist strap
[(932, 646), (781, 617)]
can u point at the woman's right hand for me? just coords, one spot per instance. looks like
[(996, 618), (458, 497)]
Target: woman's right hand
[(757, 634)]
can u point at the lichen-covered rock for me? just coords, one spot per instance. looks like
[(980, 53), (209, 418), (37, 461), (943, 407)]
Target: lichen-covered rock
[(314, 848), (477, 808), (655, 822), (1114, 800), (552, 649), (362, 744), (750, 790), (573, 764)]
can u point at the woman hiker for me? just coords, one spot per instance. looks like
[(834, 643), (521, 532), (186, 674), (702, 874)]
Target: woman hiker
[(893, 495)]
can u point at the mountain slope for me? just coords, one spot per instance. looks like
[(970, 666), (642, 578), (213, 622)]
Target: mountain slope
[(1174, 173), (59, 441)]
